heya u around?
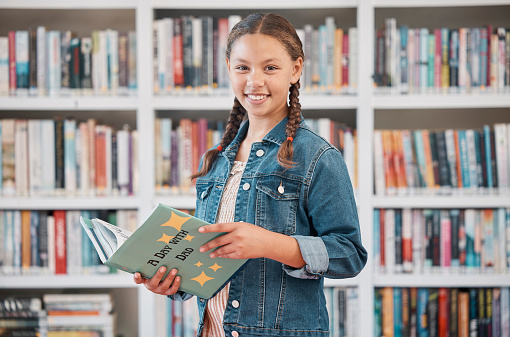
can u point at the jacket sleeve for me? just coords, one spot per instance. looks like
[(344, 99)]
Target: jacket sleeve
[(335, 250), (180, 296)]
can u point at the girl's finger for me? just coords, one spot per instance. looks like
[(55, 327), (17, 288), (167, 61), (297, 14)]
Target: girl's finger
[(167, 281), (175, 286), (156, 279), (217, 242)]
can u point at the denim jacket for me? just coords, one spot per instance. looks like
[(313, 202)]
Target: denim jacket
[(315, 205)]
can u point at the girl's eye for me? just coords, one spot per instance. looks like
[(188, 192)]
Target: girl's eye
[(242, 67), (271, 68)]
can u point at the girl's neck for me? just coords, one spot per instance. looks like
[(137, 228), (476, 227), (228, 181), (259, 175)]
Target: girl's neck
[(259, 127)]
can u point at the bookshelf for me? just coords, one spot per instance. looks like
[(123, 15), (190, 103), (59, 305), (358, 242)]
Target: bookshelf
[(370, 109)]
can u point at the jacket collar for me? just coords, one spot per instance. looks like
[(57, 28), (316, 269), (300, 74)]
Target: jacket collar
[(276, 135)]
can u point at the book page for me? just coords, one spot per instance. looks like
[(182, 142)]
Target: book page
[(111, 237)]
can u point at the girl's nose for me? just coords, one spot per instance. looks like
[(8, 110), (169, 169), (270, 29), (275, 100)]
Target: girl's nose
[(256, 78)]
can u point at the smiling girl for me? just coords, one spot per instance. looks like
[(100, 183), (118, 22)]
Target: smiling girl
[(280, 192)]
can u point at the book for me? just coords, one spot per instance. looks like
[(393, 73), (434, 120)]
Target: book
[(174, 242)]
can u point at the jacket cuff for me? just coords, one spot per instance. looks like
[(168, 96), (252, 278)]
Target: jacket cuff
[(180, 296), (315, 255)]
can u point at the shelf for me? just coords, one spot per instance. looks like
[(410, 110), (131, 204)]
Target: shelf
[(438, 3), (441, 280), (431, 101), (225, 102), (348, 282), (178, 201), (434, 201), (266, 4), (121, 280), (68, 203), (69, 103), (63, 4)]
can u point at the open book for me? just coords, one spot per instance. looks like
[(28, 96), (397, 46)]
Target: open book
[(167, 238)]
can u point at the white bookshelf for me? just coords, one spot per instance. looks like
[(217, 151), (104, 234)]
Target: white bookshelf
[(120, 280), (69, 103), (367, 105)]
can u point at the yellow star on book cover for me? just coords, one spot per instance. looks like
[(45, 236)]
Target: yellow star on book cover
[(188, 238), (215, 267), (166, 238), (202, 278), (176, 221), (199, 264)]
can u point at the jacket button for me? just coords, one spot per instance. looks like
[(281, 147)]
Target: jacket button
[(235, 303), (235, 334), (260, 153), (246, 186)]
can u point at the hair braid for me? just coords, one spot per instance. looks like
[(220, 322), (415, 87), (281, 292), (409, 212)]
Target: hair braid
[(286, 150), (234, 122)]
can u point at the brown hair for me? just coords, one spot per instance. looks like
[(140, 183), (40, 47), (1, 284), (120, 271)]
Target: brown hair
[(278, 27)]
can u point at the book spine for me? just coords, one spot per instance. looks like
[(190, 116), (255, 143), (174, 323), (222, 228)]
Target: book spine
[(464, 159), (59, 156), (75, 81), (446, 243), (443, 313), (407, 240), (424, 58), (41, 51), (132, 70), (21, 157), (65, 62), (431, 62), (438, 60), (388, 312), (445, 68), (454, 59), (397, 312), (22, 61), (462, 83), (484, 57), (32, 63), (398, 241), (452, 309), (60, 242), (123, 63), (454, 239)]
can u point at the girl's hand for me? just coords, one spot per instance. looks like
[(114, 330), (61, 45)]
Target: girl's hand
[(242, 240), (168, 286)]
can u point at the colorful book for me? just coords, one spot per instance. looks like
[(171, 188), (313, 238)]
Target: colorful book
[(174, 242)]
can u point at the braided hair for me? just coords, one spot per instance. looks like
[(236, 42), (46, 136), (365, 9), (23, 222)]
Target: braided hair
[(278, 27)]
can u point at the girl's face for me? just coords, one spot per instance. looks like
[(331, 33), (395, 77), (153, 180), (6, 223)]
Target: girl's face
[(261, 72)]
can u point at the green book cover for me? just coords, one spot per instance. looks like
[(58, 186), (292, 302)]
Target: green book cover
[(167, 238)]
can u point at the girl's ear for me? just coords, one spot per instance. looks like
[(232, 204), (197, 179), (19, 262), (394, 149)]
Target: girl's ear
[(296, 70), (228, 64)]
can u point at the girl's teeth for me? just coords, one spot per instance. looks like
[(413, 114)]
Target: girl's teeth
[(256, 97)]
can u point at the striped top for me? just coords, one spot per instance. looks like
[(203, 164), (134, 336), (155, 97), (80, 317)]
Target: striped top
[(215, 309)]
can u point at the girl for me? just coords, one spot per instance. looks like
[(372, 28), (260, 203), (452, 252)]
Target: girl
[(280, 192)]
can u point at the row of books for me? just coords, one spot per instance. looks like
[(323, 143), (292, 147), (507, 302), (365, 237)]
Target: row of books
[(56, 315), (39, 62), (67, 157), (344, 138), (442, 161), (443, 60), (189, 56), (180, 319), (342, 305), (425, 241), (53, 242), (428, 312), (179, 145)]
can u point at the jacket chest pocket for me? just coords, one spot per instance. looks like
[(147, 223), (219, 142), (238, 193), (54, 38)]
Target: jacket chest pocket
[(203, 196), (277, 202)]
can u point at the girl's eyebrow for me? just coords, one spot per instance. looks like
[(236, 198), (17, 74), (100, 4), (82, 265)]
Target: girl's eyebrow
[(265, 61)]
